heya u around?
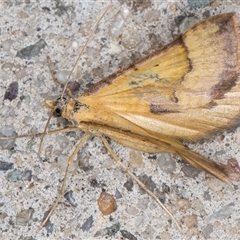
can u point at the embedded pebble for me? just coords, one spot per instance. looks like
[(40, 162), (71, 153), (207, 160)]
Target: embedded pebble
[(118, 195), (183, 204), (27, 175), (127, 235), (207, 231), (4, 166), (198, 205), (194, 4), (74, 86), (14, 175), (215, 184), (190, 171), (87, 224), (63, 141), (207, 196), (166, 163), (138, 6), (150, 184), (130, 38), (148, 232), (62, 161), (12, 91), (143, 203), (32, 50), (193, 232), (7, 66), (106, 203), (69, 197), (223, 212), (135, 159), (22, 14), (187, 23), (117, 25), (22, 73), (132, 210), (190, 220), (152, 16), (62, 76), (111, 231), (84, 162), (129, 185), (7, 44), (24, 217), (165, 235)]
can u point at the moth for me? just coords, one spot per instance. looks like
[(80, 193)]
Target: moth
[(185, 91)]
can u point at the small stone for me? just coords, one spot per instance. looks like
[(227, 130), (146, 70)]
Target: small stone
[(152, 16), (4, 166), (193, 4), (87, 224), (215, 184), (132, 210), (190, 171), (128, 185), (166, 163), (69, 197), (74, 86), (190, 220), (135, 159), (183, 204), (165, 235), (32, 50), (117, 25), (207, 195), (27, 175), (130, 38), (7, 44), (187, 23), (14, 175), (127, 235), (118, 195), (106, 203), (62, 76), (111, 231), (223, 212), (198, 205), (63, 141), (150, 184), (143, 203), (11, 92), (24, 217), (207, 231)]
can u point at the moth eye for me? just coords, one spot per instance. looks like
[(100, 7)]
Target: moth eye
[(57, 112)]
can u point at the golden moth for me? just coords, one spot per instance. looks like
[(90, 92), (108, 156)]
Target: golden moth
[(184, 91)]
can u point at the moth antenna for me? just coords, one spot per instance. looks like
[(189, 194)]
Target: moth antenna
[(65, 88), (140, 183), (84, 48)]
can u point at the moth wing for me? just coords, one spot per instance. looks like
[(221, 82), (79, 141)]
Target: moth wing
[(185, 90)]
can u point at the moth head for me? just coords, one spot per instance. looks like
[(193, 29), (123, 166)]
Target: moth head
[(56, 106)]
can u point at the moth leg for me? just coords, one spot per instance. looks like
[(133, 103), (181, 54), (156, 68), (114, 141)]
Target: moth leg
[(140, 183), (62, 190)]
